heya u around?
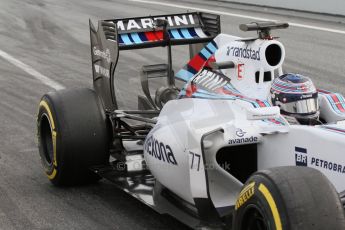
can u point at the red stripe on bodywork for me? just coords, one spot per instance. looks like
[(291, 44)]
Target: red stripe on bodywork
[(275, 121), (337, 103), (261, 104), (197, 62), (190, 90), (210, 60), (323, 91), (228, 92), (335, 129), (154, 36)]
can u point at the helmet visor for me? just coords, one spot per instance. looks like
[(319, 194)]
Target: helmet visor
[(306, 106)]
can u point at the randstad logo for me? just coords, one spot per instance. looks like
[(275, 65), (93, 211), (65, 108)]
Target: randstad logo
[(241, 52)]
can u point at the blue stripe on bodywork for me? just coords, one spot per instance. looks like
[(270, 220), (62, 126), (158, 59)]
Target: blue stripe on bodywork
[(192, 32), (120, 40), (332, 102), (187, 72), (175, 34), (340, 98), (136, 38), (191, 69), (142, 37), (184, 75), (185, 33), (266, 103), (212, 47), (205, 53), (126, 39)]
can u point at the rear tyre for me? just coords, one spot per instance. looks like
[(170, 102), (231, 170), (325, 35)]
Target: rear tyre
[(72, 136), (287, 198)]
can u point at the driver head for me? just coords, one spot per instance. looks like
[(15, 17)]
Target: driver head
[(296, 96)]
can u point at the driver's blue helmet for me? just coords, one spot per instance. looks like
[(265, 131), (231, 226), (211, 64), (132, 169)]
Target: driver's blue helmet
[(296, 96)]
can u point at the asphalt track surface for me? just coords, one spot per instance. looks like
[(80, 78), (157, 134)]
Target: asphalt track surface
[(51, 40)]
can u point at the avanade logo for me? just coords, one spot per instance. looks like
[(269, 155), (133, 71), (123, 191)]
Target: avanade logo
[(242, 140)]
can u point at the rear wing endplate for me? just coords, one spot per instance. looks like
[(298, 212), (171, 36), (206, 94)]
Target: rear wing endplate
[(104, 56)]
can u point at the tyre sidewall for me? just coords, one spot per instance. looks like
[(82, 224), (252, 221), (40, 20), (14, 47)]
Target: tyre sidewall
[(47, 110), (81, 138), (261, 194)]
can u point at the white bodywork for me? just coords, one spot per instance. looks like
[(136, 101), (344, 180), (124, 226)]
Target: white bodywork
[(181, 149)]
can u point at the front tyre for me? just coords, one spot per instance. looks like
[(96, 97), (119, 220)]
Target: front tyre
[(288, 198), (72, 136)]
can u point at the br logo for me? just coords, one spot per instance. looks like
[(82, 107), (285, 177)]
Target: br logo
[(301, 156)]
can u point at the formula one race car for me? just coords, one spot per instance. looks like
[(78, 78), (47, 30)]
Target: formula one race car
[(228, 149)]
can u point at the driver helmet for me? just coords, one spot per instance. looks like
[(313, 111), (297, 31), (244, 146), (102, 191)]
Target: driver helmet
[(296, 96)]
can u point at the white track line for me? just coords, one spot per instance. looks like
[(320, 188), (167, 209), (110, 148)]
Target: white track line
[(238, 15), (45, 80)]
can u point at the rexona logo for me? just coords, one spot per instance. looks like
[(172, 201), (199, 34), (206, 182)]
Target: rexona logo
[(103, 54), (145, 23), (247, 53), (242, 140), (159, 150)]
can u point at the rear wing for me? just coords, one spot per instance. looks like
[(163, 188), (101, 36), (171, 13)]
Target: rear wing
[(114, 35), (187, 28)]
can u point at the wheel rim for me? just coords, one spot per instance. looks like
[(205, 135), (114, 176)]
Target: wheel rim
[(46, 140), (253, 219)]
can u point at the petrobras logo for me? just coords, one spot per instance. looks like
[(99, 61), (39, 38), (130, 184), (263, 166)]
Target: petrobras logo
[(323, 164), (246, 53), (101, 70), (301, 156), (159, 150), (147, 23), (103, 54)]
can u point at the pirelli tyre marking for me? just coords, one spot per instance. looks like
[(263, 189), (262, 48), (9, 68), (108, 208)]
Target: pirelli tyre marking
[(246, 193), (51, 175), (268, 196), (249, 190)]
